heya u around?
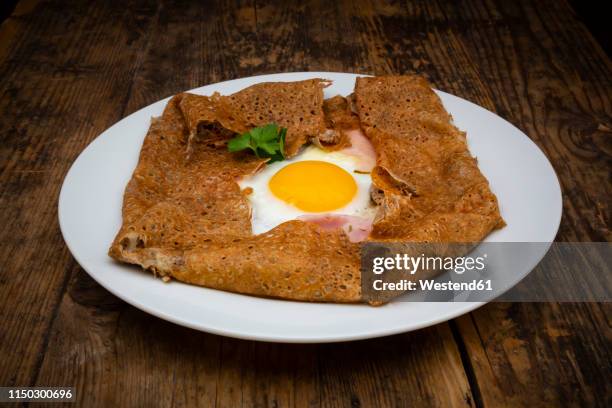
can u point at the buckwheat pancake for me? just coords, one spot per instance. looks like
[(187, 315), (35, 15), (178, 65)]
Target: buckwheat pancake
[(296, 106), (429, 187), (185, 215), (188, 220)]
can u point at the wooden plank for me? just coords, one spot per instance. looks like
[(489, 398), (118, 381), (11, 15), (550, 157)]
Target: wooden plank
[(12, 29), (115, 354), (534, 61), (53, 57), (540, 354)]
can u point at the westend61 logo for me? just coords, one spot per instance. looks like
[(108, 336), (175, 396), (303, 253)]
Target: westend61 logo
[(412, 264)]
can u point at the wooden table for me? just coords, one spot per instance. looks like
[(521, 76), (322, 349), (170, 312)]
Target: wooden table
[(71, 69)]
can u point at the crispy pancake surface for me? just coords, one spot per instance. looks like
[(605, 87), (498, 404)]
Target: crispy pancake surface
[(297, 106), (339, 120), (187, 219), (429, 187), (184, 215)]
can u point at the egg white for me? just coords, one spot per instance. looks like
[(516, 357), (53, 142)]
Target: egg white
[(268, 211)]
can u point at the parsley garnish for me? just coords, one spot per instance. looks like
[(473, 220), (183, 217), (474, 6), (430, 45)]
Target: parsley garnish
[(265, 141)]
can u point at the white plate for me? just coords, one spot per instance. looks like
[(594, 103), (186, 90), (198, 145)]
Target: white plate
[(90, 216)]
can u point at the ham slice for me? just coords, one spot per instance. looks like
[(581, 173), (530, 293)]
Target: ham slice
[(356, 228), (362, 149)]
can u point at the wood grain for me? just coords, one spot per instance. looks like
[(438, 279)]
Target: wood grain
[(68, 72), (540, 354), (49, 114), (123, 356)]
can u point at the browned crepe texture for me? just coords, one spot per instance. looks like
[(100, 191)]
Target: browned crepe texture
[(184, 215), (338, 120), (429, 187), (188, 220), (297, 106)]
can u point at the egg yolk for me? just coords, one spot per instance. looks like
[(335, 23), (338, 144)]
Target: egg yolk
[(313, 186)]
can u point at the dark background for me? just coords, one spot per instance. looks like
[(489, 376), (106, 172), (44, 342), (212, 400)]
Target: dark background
[(591, 13), (597, 21)]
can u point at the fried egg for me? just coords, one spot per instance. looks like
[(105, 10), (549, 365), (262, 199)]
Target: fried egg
[(326, 187)]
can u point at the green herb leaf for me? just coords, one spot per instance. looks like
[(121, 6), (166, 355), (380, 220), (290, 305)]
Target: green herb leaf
[(240, 142), (283, 136), (269, 147), (266, 141)]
